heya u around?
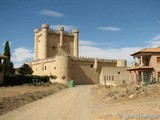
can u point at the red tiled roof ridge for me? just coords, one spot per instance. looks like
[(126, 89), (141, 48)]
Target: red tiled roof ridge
[(150, 50), (157, 49)]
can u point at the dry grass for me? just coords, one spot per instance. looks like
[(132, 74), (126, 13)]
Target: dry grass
[(126, 100), (126, 93), (13, 97)]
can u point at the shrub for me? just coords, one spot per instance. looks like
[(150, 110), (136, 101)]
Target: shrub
[(25, 69), (53, 77), (21, 79)]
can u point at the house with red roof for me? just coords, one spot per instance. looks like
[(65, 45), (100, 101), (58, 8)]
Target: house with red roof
[(146, 66)]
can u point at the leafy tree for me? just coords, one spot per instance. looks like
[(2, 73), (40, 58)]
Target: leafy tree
[(8, 67), (25, 69)]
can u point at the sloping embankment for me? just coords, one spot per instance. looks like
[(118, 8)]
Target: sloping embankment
[(14, 97)]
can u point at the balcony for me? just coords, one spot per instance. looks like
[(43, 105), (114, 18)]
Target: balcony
[(134, 64), (141, 61)]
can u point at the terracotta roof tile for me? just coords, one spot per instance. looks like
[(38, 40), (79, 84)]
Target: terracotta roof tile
[(151, 50), (148, 50)]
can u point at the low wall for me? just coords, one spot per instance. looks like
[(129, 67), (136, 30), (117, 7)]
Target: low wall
[(1, 77)]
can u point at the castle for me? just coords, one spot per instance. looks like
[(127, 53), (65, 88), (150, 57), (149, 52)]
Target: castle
[(57, 53)]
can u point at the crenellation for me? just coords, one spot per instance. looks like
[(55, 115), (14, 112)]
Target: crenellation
[(36, 30), (58, 32), (45, 26), (92, 59), (53, 31)]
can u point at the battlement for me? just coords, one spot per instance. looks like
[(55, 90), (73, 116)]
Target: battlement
[(75, 31), (58, 32), (52, 59), (46, 26), (36, 30), (83, 58), (39, 61)]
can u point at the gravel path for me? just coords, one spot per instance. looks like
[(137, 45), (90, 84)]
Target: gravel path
[(76, 103)]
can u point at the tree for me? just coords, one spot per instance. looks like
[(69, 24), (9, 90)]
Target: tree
[(7, 50), (7, 66), (25, 69)]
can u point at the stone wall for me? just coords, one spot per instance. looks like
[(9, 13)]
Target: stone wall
[(155, 65), (83, 71), (113, 75), (54, 48)]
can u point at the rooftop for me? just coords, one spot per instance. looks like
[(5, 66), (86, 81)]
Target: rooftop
[(147, 50), (140, 68), (3, 56)]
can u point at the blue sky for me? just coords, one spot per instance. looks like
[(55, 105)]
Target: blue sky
[(110, 29)]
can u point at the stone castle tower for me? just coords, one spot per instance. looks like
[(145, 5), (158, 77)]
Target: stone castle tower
[(57, 53), (49, 43)]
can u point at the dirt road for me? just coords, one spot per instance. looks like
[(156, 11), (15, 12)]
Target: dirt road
[(70, 104)]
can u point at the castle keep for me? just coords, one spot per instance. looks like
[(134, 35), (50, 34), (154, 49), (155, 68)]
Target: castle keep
[(57, 53)]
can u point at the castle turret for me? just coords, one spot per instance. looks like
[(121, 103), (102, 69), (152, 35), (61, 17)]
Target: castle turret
[(36, 44), (61, 29), (75, 46), (121, 63), (45, 28), (63, 69)]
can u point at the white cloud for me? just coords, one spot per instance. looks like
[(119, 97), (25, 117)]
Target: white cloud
[(21, 55), (109, 53), (88, 50), (113, 29), (86, 42), (66, 27), (157, 37), (51, 13), (155, 42)]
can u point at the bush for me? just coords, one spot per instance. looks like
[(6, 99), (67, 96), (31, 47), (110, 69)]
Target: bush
[(53, 77), (21, 79), (25, 69)]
